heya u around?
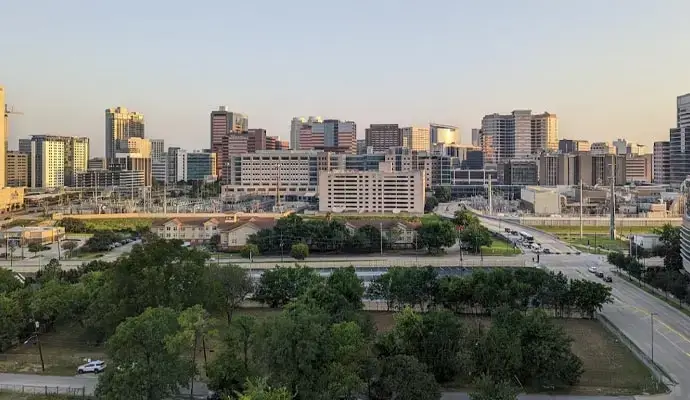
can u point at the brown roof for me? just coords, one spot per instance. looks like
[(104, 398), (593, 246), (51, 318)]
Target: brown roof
[(261, 223)]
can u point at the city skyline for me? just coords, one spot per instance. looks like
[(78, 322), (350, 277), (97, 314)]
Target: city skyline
[(604, 81)]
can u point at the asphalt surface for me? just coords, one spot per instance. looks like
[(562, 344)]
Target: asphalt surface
[(631, 311)]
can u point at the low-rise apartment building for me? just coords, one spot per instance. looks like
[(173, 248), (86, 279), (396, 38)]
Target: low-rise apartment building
[(233, 233), (382, 191)]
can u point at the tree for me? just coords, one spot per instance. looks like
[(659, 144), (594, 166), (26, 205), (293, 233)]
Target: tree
[(669, 236), (488, 389), (259, 390), (101, 241), (465, 218), (73, 225), (249, 251), (214, 242), (51, 271), (195, 326), (475, 236), (346, 282), (405, 378), (434, 338), (8, 281), (436, 235), (299, 251), (301, 350), (430, 203), (36, 248), (590, 296), (161, 273), (144, 364), (12, 321), (279, 286), (442, 193), (243, 328), (69, 245), (229, 287)]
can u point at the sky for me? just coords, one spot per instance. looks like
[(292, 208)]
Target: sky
[(607, 68)]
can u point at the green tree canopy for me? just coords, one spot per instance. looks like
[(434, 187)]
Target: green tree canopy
[(405, 378), (279, 286), (436, 235), (143, 363), (299, 251), (228, 286)]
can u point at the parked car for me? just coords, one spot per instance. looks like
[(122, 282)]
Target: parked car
[(608, 279), (592, 270), (600, 274), (92, 366)]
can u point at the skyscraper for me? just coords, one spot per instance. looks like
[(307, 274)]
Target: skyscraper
[(679, 146), (661, 162), (121, 124), (382, 136), (56, 159), (224, 123), (301, 127), (416, 138), (3, 141), (443, 134), (476, 141), (518, 135), (157, 149), (330, 135)]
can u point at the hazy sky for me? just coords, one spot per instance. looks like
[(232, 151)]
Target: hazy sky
[(608, 68)]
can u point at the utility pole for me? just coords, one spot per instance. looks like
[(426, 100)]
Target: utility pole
[(381, 235), (278, 188), (612, 227), (581, 207), (40, 348), (490, 197)]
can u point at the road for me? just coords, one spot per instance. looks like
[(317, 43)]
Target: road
[(631, 310), (88, 382)]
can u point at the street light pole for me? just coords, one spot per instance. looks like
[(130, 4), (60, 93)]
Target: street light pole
[(651, 315)]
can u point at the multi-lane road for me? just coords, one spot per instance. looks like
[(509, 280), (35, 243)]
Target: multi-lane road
[(631, 311)]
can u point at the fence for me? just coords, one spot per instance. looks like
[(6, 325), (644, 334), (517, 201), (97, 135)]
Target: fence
[(45, 390), (473, 261), (671, 299)]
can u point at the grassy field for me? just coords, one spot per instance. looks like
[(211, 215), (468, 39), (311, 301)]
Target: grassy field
[(22, 396), (601, 242), (575, 230), (500, 248), (117, 224), (610, 368)]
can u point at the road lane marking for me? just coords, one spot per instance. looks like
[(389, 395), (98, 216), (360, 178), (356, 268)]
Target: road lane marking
[(663, 324)]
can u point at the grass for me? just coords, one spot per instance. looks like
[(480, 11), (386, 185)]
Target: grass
[(24, 396), (601, 242), (80, 255), (575, 230), (63, 351), (610, 368), (500, 248), (23, 222), (118, 224)]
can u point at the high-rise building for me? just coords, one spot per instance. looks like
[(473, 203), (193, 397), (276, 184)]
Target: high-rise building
[(331, 135), (544, 132), (97, 163), (25, 146), (157, 149), (196, 166), (121, 124), (224, 123), (661, 162), (680, 141), (447, 134), (361, 146), (256, 140), (134, 155), (518, 135), (56, 159), (3, 141), (638, 168), (17, 169), (602, 148), (620, 146), (416, 138), (299, 124), (382, 136), (566, 146), (476, 137)]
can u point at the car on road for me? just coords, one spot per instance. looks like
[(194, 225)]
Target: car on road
[(608, 279), (547, 251), (600, 275), (592, 270), (96, 367)]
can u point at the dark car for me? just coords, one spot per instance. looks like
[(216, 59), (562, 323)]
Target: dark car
[(213, 395), (600, 274), (547, 251), (608, 279)]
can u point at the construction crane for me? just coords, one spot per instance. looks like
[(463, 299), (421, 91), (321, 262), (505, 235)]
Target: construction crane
[(8, 111)]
